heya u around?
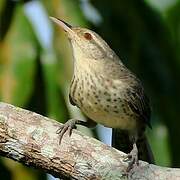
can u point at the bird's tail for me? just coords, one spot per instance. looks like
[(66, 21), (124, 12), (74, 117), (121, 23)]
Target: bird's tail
[(121, 141)]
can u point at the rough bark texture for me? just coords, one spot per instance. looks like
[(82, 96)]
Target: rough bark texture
[(31, 139)]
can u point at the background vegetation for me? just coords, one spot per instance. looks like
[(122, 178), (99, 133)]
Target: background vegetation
[(36, 62)]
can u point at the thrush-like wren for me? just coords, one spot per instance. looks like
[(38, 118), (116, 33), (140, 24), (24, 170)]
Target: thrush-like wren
[(107, 93)]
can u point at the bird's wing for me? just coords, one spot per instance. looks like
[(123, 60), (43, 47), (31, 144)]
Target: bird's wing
[(138, 102), (71, 100)]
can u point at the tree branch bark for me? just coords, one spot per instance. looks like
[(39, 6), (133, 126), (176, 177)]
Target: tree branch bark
[(31, 139)]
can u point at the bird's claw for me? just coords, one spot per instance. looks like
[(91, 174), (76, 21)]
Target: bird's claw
[(132, 158), (68, 126)]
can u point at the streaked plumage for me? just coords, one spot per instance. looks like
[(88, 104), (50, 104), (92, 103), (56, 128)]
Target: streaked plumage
[(106, 91)]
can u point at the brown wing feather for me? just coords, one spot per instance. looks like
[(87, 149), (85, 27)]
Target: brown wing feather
[(72, 89), (71, 100), (138, 102)]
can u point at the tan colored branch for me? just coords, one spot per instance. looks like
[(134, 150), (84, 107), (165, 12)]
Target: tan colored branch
[(31, 139)]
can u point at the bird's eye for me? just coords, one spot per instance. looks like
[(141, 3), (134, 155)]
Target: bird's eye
[(87, 36)]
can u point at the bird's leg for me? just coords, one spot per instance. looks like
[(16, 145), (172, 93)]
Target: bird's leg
[(70, 125), (132, 157)]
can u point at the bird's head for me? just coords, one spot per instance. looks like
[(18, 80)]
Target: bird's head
[(86, 43)]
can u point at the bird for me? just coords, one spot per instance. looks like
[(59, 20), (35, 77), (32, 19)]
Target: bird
[(108, 93)]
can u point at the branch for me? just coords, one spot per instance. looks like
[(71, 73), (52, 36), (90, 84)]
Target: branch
[(31, 139)]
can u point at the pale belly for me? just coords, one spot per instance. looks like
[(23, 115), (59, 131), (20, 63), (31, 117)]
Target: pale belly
[(110, 116), (101, 102)]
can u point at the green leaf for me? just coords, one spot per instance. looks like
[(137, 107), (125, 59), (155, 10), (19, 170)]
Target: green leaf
[(56, 107), (18, 60)]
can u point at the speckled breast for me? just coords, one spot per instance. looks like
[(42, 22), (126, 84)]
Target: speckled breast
[(101, 101)]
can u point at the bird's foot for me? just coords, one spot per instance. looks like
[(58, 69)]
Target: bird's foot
[(68, 126), (132, 158)]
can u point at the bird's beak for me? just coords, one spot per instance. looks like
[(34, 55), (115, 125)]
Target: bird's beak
[(66, 27)]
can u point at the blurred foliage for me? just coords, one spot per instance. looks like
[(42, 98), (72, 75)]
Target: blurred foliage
[(18, 56), (36, 76)]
